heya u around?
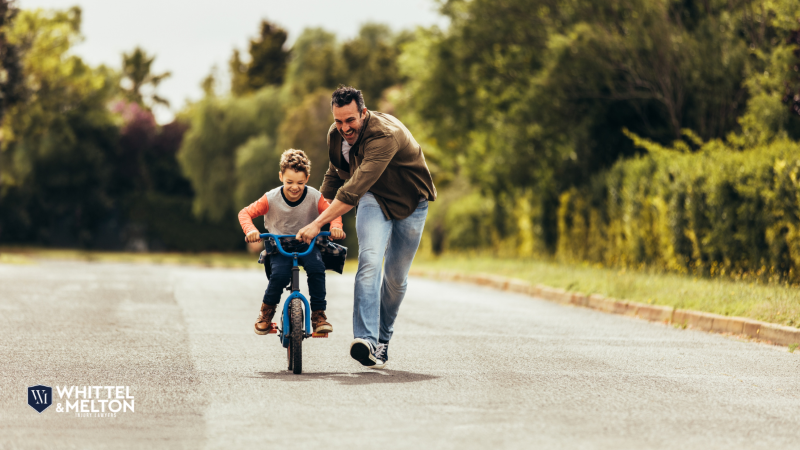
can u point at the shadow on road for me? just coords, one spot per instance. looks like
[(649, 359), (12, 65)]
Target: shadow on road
[(352, 379)]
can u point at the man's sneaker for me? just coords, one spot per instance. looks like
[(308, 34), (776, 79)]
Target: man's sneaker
[(367, 354), (264, 321), (385, 350), (319, 322)]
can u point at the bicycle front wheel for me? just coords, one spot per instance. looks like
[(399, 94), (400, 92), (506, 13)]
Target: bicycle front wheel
[(295, 349)]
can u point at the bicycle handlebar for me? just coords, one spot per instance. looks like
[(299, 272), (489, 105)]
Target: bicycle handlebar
[(277, 239)]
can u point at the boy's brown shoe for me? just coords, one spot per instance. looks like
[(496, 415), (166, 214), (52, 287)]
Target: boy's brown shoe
[(264, 321), (320, 322)]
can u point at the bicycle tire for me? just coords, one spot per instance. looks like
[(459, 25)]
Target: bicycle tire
[(288, 347), (296, 337)]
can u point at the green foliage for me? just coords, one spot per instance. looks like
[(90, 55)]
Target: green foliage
[(11, 79), (136, 74), (467, 221), (256, 169), (371, 60), (622, 132), (772, 79), (316, 63), (530, 99), (717, 211), (267, 64), (171, 225), (58, 146), (219, 127), (306, 128), (367, 62)]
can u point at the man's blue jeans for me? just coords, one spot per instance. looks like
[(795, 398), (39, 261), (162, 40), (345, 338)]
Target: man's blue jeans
[(376, 303)]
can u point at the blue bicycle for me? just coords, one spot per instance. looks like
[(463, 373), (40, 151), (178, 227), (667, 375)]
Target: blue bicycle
[(296, 316)]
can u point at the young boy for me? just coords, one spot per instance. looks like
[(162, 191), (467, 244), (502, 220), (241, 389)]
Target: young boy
[(286, 209)]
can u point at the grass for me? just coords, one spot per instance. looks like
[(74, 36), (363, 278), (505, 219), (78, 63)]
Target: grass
[(244, 260), (24, 255), (773, 302)]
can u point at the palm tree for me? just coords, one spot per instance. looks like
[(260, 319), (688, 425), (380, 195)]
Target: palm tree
[(136, 69)]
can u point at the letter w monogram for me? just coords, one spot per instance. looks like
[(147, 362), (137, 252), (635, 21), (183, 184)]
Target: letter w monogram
[(40, 398)]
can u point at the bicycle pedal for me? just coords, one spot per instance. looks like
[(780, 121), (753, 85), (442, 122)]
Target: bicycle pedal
[(273, 329), (319, 335)]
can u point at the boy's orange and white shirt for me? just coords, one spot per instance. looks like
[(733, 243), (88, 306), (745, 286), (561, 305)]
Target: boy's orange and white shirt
[(281, 217)]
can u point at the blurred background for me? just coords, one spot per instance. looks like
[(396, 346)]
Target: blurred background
[(638, 132)]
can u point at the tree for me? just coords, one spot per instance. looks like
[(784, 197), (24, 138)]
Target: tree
[(136, 73), (267, 65), (57, 145), (11, 81), (209, 84), (792, 95), (219, 127), (316, 63), (371, 61), (772, 77), (306, 127)]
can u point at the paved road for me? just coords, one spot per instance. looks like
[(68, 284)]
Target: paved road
[(471, 368)]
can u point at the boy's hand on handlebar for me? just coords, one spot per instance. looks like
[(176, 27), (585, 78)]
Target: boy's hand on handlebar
[(253, 236), (337, 233), (308, 233)]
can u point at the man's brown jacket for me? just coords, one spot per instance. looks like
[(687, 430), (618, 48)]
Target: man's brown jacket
[(386, 161)]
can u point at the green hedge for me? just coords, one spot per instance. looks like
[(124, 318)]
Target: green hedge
[(718, 211), (169, 225)]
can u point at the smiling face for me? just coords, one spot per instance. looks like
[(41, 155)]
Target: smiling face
[(294, 183), (349, 120)]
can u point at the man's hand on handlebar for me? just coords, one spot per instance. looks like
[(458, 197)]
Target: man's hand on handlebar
[(308, 233), (253, 236), (337, 233)]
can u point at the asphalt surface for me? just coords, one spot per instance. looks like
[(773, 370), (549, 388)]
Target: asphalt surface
[(470, 368)]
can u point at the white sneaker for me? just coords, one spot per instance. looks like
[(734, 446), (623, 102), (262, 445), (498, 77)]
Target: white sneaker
[(367, 354)]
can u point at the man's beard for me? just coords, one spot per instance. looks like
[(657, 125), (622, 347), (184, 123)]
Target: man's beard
[(355, 133), (355, 130)]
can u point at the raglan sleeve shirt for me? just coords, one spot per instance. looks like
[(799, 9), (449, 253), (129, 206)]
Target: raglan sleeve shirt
[(322, 206), (261, 206)]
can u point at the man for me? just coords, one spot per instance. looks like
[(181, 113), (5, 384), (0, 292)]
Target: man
[(377, 167)]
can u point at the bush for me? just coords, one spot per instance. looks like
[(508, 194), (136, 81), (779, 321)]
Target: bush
[(717, 211)]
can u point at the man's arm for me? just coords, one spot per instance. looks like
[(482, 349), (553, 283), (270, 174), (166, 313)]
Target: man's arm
[(310, 231), (377, 155), (331, 183)]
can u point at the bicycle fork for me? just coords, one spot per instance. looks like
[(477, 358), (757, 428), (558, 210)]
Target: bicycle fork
[(285, 319)]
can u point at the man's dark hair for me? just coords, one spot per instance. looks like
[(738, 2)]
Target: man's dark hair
[(345, 95)]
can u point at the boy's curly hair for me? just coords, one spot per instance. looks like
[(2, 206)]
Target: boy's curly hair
[(295, 160)]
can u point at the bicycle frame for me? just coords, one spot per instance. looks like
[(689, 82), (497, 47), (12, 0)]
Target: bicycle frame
[(295, 283)]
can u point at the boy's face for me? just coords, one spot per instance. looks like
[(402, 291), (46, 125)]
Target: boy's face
[(293, 183)]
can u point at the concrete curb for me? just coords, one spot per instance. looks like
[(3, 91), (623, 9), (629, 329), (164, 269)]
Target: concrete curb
[(764, 331)]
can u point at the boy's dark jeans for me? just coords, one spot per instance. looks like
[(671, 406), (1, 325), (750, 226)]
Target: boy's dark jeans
[(282, 274)]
